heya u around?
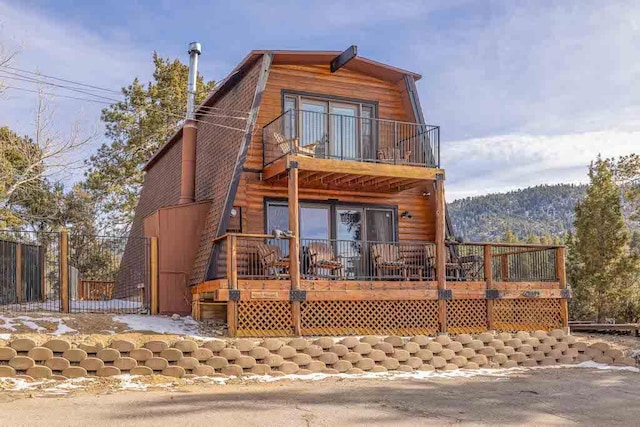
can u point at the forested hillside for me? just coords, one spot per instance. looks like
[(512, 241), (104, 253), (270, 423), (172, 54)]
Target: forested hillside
[(541, 210)]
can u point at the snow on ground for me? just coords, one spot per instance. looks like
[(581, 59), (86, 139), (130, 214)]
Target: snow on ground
[(12, 322), (160, 324)]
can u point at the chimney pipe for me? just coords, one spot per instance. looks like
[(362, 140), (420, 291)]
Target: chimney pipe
[(189, 131)]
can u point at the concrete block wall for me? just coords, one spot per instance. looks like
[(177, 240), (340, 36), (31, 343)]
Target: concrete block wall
[(59, 359)]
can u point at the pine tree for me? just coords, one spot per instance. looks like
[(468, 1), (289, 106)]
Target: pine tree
[(510, 236), (136, 127), (603, 271)]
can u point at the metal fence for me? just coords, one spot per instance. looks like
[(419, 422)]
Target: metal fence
[(363, 139), (29, 271), (62, 272), (99, 280)]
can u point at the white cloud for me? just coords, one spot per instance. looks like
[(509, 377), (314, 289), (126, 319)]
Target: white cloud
[(507, 162)]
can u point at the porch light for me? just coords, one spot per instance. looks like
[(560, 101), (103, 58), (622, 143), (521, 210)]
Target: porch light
[(406, 215)]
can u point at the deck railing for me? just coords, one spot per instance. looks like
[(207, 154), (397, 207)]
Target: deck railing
[(362, 139), (259, 256)]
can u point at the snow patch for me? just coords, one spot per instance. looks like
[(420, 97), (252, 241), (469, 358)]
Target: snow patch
[(159, 324)]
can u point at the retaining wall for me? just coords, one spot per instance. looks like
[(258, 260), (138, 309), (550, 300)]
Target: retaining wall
[(59, 359)]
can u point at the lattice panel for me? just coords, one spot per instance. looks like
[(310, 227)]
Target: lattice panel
[(466, 316), (527, 314), (264, 318), (369, 317)]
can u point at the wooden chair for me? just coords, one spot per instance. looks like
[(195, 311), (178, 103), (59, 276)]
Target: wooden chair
[(391, 155), (387, 257), (292, 146), (273, 263), (322, 257), (459, 268)]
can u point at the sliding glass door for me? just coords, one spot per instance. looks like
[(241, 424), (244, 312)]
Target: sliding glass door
[(343, 137)]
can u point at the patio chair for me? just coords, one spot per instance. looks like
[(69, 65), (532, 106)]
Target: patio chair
[(292, 146), (391, 155), (272, 261), (387, 257), (458, 268), (322, 257)]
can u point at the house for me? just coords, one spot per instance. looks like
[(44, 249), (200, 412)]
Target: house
[(307, 196)]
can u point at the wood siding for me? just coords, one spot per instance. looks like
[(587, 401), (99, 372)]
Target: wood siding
[(392, 104)]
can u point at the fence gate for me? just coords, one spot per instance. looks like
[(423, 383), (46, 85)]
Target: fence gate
[(103, 280)]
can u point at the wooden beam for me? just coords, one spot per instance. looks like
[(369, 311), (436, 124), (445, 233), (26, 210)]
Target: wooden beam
[(504, 267), (344, 58), (232, 318), (210, 286), (64, 270), (373, 295), (441, 251), (232, 249), (294, 245)]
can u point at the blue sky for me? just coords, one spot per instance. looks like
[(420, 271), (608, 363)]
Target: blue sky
[(525, 92)]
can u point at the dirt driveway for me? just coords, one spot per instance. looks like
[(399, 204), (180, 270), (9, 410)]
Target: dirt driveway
[(550, 396)]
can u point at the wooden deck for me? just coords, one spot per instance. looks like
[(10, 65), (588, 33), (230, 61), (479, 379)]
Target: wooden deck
[(496, 299)]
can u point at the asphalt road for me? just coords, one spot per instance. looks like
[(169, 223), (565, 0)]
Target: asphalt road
[(541, 397)]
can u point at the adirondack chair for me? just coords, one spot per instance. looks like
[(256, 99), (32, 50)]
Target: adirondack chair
[(292, 146), (459, 268), (322, 257), (387, 257), (391, 155), (272, 261)]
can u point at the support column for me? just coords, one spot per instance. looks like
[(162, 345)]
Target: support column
[(441, 251), (294, 245), (562, 278), (488, 277), (232, 274)]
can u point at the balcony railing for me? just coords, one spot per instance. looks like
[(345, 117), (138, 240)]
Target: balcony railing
[(361, 139), (256, 256)]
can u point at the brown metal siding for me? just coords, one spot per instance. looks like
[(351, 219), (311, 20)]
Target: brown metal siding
[(217, 154)]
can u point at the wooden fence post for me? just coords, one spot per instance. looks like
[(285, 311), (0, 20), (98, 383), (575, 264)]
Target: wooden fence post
[(18, 273), (488, 277), (43, 272), (153, 275), (441, 254), (562, 278), (64, 270)]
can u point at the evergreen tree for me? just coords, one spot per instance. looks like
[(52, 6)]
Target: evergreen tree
[(136, 127), (510, 236), (603, 271)]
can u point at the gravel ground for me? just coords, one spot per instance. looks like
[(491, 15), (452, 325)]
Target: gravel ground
[(564, 396)]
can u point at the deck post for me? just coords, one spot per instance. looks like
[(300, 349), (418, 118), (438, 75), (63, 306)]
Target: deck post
[(64, 270), (504, 268), (294, 245), (232, 273), (562, 278), (441, 249), (153, 275), (488, 277)]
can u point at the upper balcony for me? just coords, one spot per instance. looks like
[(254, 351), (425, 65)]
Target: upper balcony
[(352, 138)]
